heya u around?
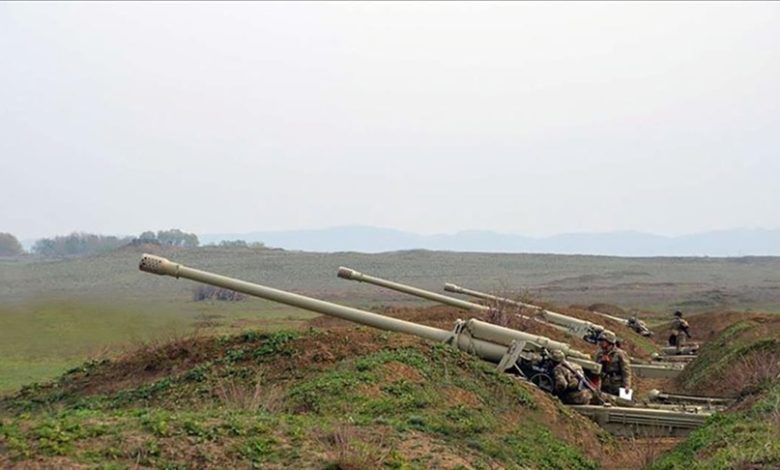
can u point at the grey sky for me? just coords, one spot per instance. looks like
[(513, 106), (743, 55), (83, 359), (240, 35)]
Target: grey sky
[(523, 118)]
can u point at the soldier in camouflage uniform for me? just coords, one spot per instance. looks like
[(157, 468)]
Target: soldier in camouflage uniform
[(615, 364), (566, 381), (679, 331)]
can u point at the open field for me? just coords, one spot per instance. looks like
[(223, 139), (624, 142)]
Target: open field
[(56, 313), (143, 374), (648, 283)]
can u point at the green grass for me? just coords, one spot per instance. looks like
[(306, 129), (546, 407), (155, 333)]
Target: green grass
[(749, 436), (736, 342), (745, 439), (371, 410), (42, 339)]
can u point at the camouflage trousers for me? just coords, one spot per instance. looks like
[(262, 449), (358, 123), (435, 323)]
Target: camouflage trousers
[(680, 341), (579, 397)]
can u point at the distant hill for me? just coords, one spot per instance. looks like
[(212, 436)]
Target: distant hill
[(737, 242)]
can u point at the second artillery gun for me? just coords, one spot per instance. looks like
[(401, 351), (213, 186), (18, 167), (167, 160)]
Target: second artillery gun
[(580, 328), (634, 323)]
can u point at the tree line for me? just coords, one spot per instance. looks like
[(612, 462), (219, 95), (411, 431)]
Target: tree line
[(81, 243)]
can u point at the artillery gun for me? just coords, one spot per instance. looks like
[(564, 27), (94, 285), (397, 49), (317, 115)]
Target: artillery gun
[(586, 330), (512, 351), (353, 275), (580, 328), (634, 323)]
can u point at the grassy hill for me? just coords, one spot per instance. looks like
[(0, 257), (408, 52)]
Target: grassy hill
[(348, 398), (742, 361)]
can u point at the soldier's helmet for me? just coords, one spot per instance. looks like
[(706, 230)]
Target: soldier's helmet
[(678, 314), (608, 336), (557, 355)]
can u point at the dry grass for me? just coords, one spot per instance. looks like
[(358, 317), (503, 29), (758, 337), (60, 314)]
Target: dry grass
[(248, 397), (351, 452), (640, 452), (753, 370)]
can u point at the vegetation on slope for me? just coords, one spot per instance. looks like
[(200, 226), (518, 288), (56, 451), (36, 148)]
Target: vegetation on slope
[(742, 361), (346, 398), (742, 357)]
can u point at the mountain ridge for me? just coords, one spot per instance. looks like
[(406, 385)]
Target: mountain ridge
[(370, 239)]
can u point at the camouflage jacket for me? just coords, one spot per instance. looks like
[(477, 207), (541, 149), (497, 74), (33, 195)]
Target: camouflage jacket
[(564, 379), (679, 325), (615, 367)]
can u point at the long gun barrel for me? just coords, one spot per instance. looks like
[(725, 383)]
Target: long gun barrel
[(589, 331), (489, 342), (582, 328), (353, 275), (634, 323)]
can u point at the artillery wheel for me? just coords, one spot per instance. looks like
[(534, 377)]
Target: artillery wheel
[(543, 381)]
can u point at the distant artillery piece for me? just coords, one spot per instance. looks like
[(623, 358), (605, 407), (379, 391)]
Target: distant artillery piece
[(353, 275), (511, 350), (574, 326), (584, 329), (580, 326), (632, 322), (554, 317)]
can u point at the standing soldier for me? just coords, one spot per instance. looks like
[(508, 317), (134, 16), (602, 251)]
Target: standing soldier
[(567, 381), (615, 365), (680, 327)]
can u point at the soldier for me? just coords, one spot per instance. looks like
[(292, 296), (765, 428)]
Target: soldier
[(680, 330), (567, 381), (615, 365)]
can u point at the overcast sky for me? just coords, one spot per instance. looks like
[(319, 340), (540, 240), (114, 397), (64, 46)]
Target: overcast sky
[(523, 118)]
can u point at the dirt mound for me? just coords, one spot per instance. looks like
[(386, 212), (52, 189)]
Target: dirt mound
[(742, 352), (706, 326), (349, 397)]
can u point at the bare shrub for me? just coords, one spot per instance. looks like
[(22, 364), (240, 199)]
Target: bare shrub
[(204, 292), (640, 452), (751, 371), (505, 312), (248, 397), (350, 452), (498, 315)]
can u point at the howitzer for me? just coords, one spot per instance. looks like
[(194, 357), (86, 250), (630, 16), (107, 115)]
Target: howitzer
[(353, 275), (582, 328), (587, 330), (632, 322), (509, 349)]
